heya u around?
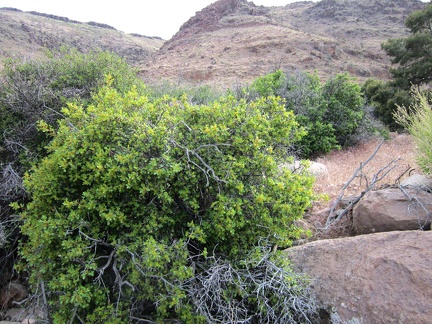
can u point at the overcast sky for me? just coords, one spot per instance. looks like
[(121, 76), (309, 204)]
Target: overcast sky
[(161, 18)]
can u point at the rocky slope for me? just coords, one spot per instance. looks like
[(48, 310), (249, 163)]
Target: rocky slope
[(29, 34), (234, 41)]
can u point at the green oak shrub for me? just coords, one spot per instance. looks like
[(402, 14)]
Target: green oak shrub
[(37, 89), (343, 107), (137, 194), (385, 97), (268, 85), (304, 96), (197, 95)]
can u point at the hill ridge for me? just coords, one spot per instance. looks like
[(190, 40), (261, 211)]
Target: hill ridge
[(235, 40), (66, 19), (29, 34), (208, 18), (232, 41)]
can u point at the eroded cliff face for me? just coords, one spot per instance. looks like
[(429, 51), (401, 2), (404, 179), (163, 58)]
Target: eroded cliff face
[(208, 19), (234, 41)]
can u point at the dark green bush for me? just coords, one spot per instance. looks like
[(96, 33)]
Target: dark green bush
[(413, 66), (268, 85), (385, 97), (135, 193), (343, 107), (303, 95), (331, 112), (412, 53), (319, 138)]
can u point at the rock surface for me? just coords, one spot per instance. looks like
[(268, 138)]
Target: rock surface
[(392, 209), (318, 170), (12, 292), (376, 278), (22, 316), (315, 169), (418, 181)]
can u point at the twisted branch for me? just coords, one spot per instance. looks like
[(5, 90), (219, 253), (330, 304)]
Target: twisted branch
[(378, 176), (415, 201)]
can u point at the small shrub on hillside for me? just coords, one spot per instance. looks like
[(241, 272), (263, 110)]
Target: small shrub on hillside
[(268, 85), (303, 95), (135, 193), (319, 138), (331, 112), (343, 107), (385, 97), (201, 95)]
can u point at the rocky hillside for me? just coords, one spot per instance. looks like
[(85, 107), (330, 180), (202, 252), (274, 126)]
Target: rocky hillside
[(28, 34), (234, 41)]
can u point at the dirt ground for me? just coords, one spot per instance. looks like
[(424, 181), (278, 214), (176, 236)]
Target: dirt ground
[(397, 155)]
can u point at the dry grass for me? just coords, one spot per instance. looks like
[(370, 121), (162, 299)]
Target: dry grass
[(341, 166)]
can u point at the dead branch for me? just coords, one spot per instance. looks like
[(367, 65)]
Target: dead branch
[(101, 270), (407, 170), (11, 184), (223, 293), (378, 176), (207, 170), (415, 201), (45, 301)]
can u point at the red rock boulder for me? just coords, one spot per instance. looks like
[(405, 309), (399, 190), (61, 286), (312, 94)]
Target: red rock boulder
[(12, 292), (393, 209), (375, 278)]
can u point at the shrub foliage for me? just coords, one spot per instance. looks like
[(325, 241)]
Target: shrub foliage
[(331, 113), (414, 66), (412, 53), (385, 97), (417, 119), (37, 90), (135, 193)]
